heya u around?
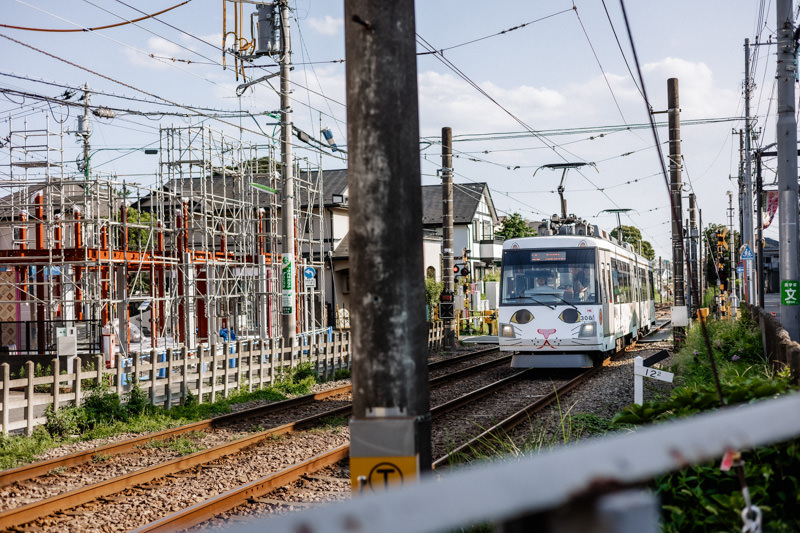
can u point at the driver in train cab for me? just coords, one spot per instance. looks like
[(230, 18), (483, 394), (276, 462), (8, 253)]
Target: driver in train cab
[(580, 283), (541, 282)]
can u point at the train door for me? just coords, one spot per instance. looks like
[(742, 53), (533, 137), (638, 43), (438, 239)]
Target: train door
[(640, 301), (608, 294)]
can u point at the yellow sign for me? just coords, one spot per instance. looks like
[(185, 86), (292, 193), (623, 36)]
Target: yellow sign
[(376, 474)]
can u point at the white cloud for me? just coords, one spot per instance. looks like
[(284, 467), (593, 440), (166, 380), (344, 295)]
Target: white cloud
[(328, 25)]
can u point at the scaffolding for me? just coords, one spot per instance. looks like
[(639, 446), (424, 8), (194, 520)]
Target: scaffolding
[(186, 261)]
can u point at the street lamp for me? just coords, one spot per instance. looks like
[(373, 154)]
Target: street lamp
[(148, 151)]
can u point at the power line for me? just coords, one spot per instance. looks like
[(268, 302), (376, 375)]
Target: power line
[(107, 26)]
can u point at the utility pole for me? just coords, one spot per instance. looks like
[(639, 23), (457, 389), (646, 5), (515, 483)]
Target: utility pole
[(673, 112), (701, 264), (447, 297), (787, 171), (288, 303), (734, 301), (693, 255), (747, 201), (85, 130), (390, 437), (759, 232)]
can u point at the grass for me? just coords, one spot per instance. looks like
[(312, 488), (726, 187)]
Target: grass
[(182, 444)]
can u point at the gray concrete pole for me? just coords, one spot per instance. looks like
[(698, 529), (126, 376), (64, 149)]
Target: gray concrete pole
[(85, 130), (288, 260), (391, 400), (786, 136), (693, 264), (447, 232), (731, 249), (747, 201), (678, 263)]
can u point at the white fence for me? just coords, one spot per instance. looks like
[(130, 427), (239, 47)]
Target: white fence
[(169, 376)]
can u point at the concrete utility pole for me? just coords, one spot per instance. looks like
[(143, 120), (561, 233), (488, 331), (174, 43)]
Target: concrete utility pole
[(701, 270), (786, 136), (85, 130), (693, 263), (734, 301), (390, 429), (747, 201), (288, 301), (679, 290), (447, 237)]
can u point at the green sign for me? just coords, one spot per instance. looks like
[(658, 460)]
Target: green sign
[(287, 284), (790, 292)]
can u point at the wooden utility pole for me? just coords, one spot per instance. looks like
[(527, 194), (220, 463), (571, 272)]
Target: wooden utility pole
[(786, 136), (678, 263), (447, 296), (390, 428)]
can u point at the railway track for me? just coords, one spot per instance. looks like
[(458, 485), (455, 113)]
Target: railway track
[(251, 493), (249, 504), (90, 491)]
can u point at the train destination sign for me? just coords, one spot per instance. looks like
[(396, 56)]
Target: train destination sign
[(554, 255)]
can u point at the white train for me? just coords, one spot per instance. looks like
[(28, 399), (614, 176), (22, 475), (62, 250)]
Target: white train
[(572, 300)]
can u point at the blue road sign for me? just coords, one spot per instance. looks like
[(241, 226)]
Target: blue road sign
[(309, 273), (747, 254)]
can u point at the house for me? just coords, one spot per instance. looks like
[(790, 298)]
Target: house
[(474, 221)]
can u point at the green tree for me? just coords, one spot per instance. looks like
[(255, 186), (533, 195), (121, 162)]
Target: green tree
[(633, 236), (514, 226)]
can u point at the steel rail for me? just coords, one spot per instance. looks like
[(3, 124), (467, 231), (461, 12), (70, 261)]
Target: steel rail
[(523, 414), (68, 500), (21, 473), (214, 506), (26, 513), (515, 419), (208, 509), (39, 468)]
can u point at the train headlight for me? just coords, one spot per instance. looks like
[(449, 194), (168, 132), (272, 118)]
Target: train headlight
[(506, 330), (589, 329)]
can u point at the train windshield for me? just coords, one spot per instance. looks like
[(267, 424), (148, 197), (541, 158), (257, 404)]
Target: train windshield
[(549, 277)]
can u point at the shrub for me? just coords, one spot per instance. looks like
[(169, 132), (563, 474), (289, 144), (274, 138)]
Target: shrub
[(64, 422)]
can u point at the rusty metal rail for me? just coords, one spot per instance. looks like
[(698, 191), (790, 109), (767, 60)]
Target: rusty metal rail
[(40, 468), (217, 505), (26, 513)]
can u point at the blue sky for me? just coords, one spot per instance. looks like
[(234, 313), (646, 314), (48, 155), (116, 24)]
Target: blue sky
[(559, 71)]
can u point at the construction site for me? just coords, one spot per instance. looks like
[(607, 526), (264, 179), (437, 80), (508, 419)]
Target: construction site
[(189, 256)]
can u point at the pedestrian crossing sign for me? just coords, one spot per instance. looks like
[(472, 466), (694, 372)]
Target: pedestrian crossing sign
[(747, 254)]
